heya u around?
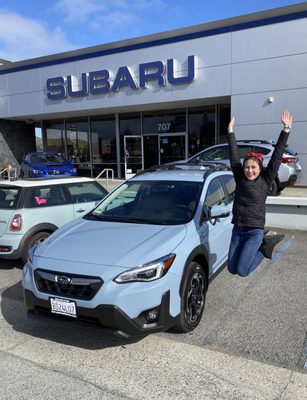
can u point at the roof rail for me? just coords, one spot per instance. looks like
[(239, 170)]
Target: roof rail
[(263, 141), (206, 166)]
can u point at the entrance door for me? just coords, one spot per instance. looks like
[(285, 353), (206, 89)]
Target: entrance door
[(172, 148), (151, 150), (133, 155)]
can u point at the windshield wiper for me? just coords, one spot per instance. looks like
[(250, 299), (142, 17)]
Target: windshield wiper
[(121, 218)]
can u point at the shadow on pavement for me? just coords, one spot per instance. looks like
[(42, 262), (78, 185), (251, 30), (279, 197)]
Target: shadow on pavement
[(64, 332), (11, 264)]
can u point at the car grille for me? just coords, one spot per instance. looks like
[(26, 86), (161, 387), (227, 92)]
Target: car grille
[(67, 285), (56, 172)]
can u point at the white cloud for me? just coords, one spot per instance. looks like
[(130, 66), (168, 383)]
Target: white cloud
[(23, 38), (118, 12)]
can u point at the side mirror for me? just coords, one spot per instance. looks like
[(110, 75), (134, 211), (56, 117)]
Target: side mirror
[(219, 211)]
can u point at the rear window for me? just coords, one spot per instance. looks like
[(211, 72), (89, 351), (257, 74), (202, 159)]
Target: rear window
[(9, 197), (262, 150), (290, 152)]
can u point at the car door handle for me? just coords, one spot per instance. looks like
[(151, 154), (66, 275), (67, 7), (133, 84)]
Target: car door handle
[(80, 210)]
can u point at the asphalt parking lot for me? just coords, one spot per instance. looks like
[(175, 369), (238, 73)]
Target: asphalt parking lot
[(251, 344)]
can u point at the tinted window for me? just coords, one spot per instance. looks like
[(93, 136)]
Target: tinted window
[(230, 185), (86, 192), (152, 202), (215, 194), (9, 197), (262, 150), (214, 154), (47, 158), (39, 197), (243, 149)]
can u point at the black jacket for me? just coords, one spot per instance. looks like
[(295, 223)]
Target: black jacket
[(250, 196)]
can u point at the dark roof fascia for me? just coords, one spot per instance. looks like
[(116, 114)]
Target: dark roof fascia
[(228, 25)]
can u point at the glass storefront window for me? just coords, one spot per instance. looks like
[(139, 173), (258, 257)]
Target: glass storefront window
[(201, 128), (103, 135), (160, 122), (54, 133), (129, 125), (77, 140), (223, 118)]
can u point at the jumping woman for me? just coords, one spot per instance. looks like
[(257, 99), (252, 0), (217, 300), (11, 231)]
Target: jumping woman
[(249, 243)]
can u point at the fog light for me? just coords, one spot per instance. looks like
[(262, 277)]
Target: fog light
[(152, 315)]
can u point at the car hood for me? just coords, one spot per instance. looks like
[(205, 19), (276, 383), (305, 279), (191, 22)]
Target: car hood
[(111, 243)]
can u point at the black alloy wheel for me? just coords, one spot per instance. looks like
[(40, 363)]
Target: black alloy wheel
[(193, 298)]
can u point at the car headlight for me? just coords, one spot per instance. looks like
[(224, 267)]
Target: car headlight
[(73, 170), (147, 272)]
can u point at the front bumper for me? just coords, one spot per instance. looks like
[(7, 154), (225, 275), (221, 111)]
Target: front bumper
[(109, 318)]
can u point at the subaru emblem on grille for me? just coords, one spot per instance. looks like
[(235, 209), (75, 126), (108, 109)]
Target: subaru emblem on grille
[(62, 279)]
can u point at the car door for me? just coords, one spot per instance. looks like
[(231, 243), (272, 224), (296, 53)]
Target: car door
[(42, 207), (85, 196), (215, 233)]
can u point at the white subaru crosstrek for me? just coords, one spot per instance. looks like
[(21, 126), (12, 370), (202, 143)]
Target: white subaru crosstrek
[(141, 261)]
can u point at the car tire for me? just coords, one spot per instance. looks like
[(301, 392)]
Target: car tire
[(34, 241), (194, 287), (274, 189)]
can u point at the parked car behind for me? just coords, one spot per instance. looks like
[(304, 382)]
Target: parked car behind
[(45, 164), (32, 209), (142, 260), (289, 171)]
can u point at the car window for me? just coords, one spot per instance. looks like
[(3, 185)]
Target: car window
[(153, 202), (262, 150), (215, 154), (215, 194), (9, 197), (84, 192), (243, 149), (290, 152), (45, 196), (230, 185), (47, 158)]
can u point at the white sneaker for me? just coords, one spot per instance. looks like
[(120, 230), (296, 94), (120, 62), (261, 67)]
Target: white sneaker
[(271, 233)]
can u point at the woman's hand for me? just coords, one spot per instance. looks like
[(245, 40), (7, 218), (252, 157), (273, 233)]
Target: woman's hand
[(286, 119), (231, 125)]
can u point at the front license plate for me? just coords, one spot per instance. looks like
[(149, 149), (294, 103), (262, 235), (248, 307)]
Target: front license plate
[(63, 307)]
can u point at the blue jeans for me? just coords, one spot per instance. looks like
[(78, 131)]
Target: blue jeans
[(244, 254)]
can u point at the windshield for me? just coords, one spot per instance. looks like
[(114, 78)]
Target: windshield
[(150, 202), (47, 159), (9, 197)]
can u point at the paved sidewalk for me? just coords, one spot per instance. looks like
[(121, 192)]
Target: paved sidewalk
[(294, 191)]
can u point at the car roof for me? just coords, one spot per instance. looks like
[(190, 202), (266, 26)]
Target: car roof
[(45, 152), (41, 182), (182, 172)]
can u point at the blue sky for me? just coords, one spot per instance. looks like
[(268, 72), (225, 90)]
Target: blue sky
[(36, 28)]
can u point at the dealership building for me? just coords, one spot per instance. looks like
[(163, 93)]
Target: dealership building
[(129, 105)]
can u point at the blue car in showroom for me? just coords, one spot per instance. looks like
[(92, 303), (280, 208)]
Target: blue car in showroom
[(45, 164), (141, 261)]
